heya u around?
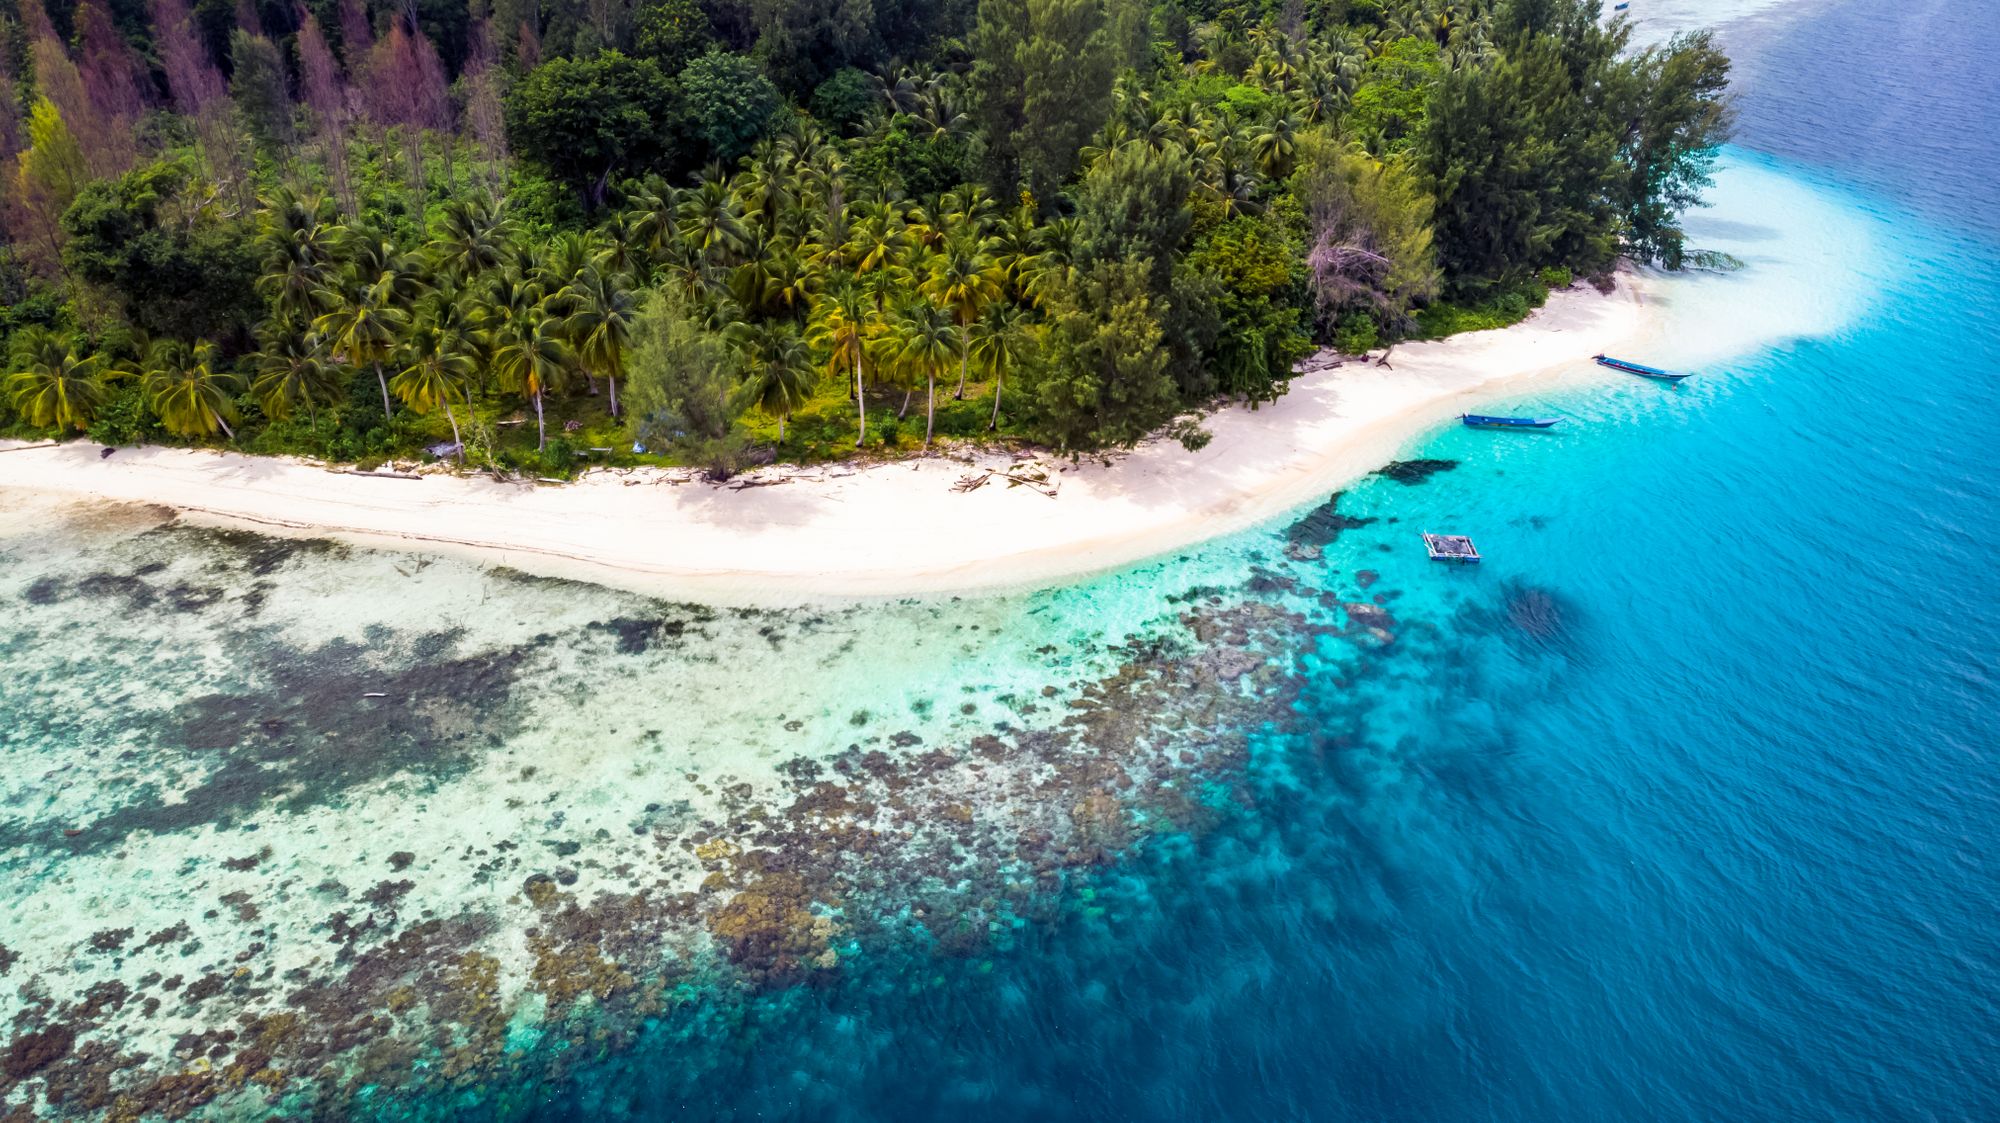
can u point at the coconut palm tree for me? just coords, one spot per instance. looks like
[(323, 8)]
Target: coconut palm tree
[(436, 365), (997, 341), (529, 355), (711, 221), (844, 321), (469, 237), (191, 396), (299, 240), (367, 306), (1275, 144), (364, 325), (778, 372), (963, 279), (293, 370), (53, 386), (923, 341), (655, 219), (600, 313)]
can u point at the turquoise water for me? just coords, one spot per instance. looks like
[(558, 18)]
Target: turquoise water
[(1682, 806)]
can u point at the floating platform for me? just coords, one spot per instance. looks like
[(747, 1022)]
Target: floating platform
[(1454, 548), (1481, 421), (1640, 369)]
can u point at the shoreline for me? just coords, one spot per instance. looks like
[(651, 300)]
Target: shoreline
[(839, 532)]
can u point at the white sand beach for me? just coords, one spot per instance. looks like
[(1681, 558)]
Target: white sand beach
[(886, 530)]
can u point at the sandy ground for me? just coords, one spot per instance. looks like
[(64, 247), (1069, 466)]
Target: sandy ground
[(888, 530)]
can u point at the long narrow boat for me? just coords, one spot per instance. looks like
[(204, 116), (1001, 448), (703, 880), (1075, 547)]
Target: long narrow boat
[(1640, 369), (1481, 421)]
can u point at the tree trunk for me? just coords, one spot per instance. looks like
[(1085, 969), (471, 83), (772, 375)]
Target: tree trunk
[(964, 350), (930, 406), (611, 380), (781, 427), (905, 411), (860, 396), (995, 423), (384, 384), (541, 427), (226, 430), (455, 438)]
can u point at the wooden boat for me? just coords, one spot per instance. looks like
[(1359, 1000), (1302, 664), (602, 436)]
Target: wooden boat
[(1454, 548), (1481, 421), (1640, 369)]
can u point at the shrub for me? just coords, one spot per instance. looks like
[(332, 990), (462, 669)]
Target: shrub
[(1357, 334)]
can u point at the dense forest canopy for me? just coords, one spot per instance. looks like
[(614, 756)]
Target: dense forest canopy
[(531, 230)]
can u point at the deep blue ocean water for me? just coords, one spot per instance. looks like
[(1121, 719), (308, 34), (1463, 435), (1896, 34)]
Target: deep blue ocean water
[(1716, 839)]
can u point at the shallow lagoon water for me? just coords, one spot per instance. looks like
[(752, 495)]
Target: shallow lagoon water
[(1681, 806)]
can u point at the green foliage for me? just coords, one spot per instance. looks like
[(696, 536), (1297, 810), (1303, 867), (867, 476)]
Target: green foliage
[(1389, 106), (729, 104), (1258, 298), (124, 419), (1356, 334), (845, 101), (586, 120), (1671, 147), (1368, 231), (258, 86), (1133, 206), (1042, 78), (1500, 309), (671, 33), (912, 159), (157, 241), (1103, 377), (681, 389)]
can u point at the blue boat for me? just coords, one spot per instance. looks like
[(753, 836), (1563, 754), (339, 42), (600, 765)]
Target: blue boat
[(1640, 369), (1481, 421)]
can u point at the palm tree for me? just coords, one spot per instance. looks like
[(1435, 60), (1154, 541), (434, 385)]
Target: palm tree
[(191, 397), (292, 371), (778, 370), (1275, 144), (436, 366), (299, 239), (529, 355), (469, 236), (655, 219), (923, 341), (996, 342), (53, 386), (711, 221), (964, 279), (601, 311), (843, 323), (364, 325), (369, 309)]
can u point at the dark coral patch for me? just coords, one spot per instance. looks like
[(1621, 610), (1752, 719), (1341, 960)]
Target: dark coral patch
[(30, 1053), (1323, 524), (1413, 472)]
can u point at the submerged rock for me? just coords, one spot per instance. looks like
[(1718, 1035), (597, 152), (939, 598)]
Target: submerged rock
[(1323, 524), (1413, 472)]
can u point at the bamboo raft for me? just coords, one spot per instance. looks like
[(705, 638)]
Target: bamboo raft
[(1454, 548)]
